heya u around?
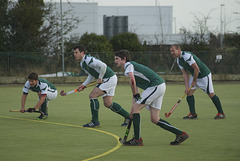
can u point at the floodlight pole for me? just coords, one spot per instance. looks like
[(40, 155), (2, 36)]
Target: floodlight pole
[(221, 26), (62, 48)]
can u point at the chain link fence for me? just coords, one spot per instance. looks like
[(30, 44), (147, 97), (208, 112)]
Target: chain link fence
[(21, 64)]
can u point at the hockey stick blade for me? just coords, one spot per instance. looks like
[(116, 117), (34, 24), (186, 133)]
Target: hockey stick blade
[(173, 108), (121, 140)]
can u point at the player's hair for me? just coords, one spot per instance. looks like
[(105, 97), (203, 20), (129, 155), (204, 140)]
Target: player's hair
[(176, 46), (122, 54), (80, 48), (33, 76)]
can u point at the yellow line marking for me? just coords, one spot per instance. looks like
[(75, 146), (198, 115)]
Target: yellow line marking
[(62, 124)]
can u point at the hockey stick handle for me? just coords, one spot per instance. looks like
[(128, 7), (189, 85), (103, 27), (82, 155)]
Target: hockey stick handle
[(75, 90), (27, 111), (173, 108), (126, 133)]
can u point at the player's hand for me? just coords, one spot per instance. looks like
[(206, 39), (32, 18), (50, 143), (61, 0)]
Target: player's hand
[(99, 81), (22, 110), (31, 110), (136, 97), (81, 87)]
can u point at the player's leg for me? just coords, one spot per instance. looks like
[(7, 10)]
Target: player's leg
[(94, 105), (191, 102), (109, 87), (148, 96), (43, 109), (136, 117), (44, 106), (115, 107), (180, 135), (215, 99)]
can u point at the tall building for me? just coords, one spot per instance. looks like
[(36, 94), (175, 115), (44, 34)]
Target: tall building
[(153, 24)]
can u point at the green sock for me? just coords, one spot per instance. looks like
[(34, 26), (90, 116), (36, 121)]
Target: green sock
[(119, 110), (217, 103), (191, 104), (136, 125), (94, 104), (44, 107), (166, 126)]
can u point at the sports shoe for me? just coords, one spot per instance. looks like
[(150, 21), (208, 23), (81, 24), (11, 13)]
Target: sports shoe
[(126, 122), (191, 116), (134, 142), (180, 138), (220, 116), (92, 124), (42, 117)]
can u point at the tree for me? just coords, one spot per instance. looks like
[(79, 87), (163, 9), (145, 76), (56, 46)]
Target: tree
[(128, 41), (3, 24), (26, 19), (96, 45)]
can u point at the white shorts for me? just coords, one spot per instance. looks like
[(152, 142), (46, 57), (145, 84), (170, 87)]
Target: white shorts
[(204, 83), (108, 86), (153, 96), (51, 96)]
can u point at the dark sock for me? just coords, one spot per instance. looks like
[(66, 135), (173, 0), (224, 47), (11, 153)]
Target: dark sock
[(44, 108), (136, 125), (217, 103), (94, 104), (166, 126), (119, 110), (191, 104)]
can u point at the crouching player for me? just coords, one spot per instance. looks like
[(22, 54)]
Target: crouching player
[(45, 90)]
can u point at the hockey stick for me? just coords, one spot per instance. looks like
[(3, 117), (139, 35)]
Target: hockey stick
[(62, 93), (27, 111), (173, 108), (126, 133)]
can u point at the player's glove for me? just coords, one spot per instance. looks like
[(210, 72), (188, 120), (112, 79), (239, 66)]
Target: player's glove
[(136, 97), (31, 110)]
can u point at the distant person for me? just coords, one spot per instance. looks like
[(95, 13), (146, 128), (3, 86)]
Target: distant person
[(45, 90), (107, 82), (154, 89), (201, 77)]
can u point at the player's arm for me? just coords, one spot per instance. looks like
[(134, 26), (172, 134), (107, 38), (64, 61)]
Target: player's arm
[(102, 70), (186, 79), (196, 73), (40, 102), (23, 101), (86, 82), (133, 86)]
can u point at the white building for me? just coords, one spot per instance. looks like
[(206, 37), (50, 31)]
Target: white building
[(152, 24)]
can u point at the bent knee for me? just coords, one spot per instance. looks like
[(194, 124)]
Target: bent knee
[(154, 120), (108, 105)]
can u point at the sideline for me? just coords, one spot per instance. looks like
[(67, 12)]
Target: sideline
[(70, 125)]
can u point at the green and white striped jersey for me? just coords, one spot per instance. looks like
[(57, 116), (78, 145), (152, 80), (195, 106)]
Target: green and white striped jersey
[(91, 66), (43, 86), (144, 76), (187, 59)]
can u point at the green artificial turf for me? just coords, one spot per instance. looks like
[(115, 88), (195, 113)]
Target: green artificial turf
[(62, 138)]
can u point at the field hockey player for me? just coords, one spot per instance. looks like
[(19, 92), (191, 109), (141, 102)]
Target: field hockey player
[(107, 82), (201, 77), (154, 89), (45, 91)]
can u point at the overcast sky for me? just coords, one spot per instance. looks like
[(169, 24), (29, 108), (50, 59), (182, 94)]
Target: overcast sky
[(185, 10)]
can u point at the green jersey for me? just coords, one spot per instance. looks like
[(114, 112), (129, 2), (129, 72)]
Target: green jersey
[(187, 59), (91, 66), (42, 86), (144, 76)]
